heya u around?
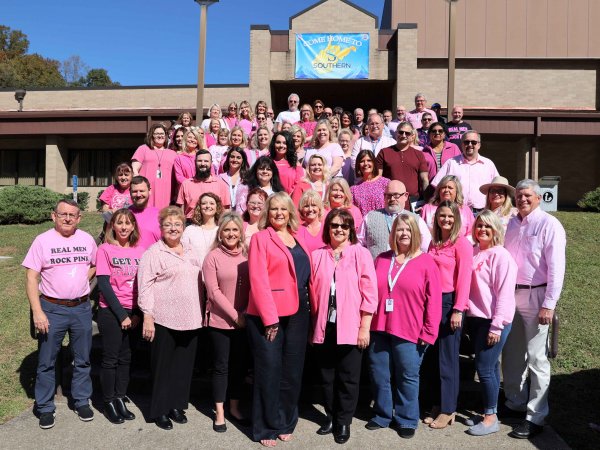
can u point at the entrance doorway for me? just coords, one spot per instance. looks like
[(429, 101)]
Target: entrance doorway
[(349, 94)]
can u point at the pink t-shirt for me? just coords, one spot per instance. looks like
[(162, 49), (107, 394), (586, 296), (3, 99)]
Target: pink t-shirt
[(329, 151), (147, 220), (312, 242), (184, 167), (356, 215), (63, 263), (121, 265), (115, 198), (191, 190), (157, 166)]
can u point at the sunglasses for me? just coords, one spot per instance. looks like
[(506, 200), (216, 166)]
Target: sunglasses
[(473, 143), (404, 133), (343, 226), (440, 131)]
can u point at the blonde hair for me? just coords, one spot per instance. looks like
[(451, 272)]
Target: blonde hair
[(311, 196), (341, 182), (506, 207), (231, 216), (307, 170), (201, 140), (285, 199), (415, 233), (489, 218), (171, 211), (443, 182), (298, 129), (244, 137), (250, 112), (315, 139), (254, 142)]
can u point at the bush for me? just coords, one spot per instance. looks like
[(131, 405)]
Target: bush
[(98, 202), (590, 201), (32, 204)]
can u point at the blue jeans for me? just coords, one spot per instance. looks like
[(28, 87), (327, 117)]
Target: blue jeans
[(395, 360), (487, 361), (77, 320)]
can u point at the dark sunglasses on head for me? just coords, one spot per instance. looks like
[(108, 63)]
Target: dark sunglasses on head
[(343, 226)]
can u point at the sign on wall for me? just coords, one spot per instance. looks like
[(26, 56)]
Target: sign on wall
[(332, 56)]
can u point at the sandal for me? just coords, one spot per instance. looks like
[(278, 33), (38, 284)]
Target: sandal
[(435, 411), (442, 421)]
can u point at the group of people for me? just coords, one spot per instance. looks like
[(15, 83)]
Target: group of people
[(359, 242)]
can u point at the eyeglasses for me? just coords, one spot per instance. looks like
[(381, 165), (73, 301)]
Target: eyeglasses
[(328, 114), (473, 143), (319, 106), (292, 101), (343, 226), (404, 133), (260, 119), (172, 225), (67, 215), (426, 119), (232, 108), (395, 196), (440, 131)]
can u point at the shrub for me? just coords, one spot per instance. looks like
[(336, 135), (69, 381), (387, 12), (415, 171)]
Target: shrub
[(32, 204), (98, 202), (590, 201)]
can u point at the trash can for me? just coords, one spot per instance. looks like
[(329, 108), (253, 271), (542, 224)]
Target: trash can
[(549, 187)]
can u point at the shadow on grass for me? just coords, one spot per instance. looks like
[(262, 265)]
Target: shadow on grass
[(26, 372), (574, 404)]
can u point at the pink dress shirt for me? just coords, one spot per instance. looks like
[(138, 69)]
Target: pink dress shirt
[(493, 287), (472, 176), (537, 243), (449, 150), (417, 299), (455, 261), (169, 287), (355, 288), (466, 218), (184, 167), (227, 286)]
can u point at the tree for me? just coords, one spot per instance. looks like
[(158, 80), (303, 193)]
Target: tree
[(13, 43), (35, 71), (98, 78), (73, 69)]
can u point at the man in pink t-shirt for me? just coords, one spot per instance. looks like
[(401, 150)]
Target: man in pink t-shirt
[(191, 190), (415, 116), (146, 216), (60, 264)]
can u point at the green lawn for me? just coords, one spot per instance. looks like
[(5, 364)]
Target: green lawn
[(575, 388)]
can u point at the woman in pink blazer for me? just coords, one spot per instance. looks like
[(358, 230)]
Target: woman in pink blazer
[(278, 319), (343, 302)]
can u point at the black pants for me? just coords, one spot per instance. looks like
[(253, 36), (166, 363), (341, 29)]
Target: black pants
[(229, 356), (278, 369), (339, 366), (172, 360), (116, 355)]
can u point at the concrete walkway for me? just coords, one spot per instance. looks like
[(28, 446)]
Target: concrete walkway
[(69, 432)]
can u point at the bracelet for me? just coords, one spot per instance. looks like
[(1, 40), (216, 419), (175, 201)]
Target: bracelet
[(457, 311)]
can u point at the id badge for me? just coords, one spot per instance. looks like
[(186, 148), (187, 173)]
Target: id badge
[(158, 173), (332, 315), (389, 305)]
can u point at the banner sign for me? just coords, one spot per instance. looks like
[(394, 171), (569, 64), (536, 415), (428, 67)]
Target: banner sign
[(332, 56)]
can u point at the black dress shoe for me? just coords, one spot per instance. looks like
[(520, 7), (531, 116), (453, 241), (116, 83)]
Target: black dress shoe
[(341, 434), (372, 425), (163, 422), (406, 433), (110, 412), (327, 427), (178, 416), (122, 409), (526, 430), (219, 428)]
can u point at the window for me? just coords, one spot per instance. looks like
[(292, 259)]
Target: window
[(24, 167), (95, 167)]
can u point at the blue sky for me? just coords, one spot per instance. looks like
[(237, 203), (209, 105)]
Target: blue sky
[(152, 42)]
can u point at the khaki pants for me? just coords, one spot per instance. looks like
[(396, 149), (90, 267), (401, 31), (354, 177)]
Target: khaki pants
[(526, 352)]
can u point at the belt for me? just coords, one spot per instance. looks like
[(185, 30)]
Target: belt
[(70, 303), (526, 286)]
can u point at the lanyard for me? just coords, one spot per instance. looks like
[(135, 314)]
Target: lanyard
[(392, 283), (389, 218), (312, 186), (374, 144)]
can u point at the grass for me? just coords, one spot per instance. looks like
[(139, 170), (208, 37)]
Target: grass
[(574, 390)]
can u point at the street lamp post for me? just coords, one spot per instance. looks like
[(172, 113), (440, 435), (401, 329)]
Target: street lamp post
[(204, 4), (451, 56)]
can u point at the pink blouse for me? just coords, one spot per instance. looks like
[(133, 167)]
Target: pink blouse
[(368, 195)]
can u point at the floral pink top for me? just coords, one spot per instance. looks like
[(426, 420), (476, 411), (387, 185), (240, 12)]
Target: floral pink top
[(368, 195)]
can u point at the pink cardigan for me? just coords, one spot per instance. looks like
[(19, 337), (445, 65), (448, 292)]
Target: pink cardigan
[(455, 262), (273, 285), (355, 287), (417, 299), (227, 285), (493, 287), (450, 150)]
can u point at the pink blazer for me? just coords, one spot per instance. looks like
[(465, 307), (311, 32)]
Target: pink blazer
[(273, 285)]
